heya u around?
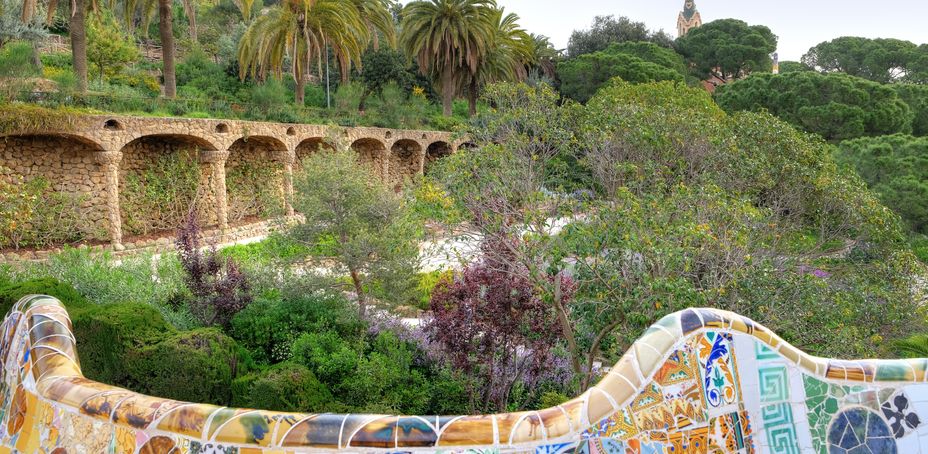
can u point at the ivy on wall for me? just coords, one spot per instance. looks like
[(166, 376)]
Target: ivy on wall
[(158, 197), (254, 190), (34, 215)]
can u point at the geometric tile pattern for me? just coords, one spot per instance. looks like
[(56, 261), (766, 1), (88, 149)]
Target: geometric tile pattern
[(680, 388)]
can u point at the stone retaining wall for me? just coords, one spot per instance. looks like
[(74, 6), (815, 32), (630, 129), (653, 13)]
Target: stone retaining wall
[(93, 157)]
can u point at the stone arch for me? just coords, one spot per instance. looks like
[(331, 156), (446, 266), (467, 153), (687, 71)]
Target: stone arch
[(436, 151), (161, 178), (372, 153), (467, 146), (63, 174), (309, 146), (254, 173), (405, 161)]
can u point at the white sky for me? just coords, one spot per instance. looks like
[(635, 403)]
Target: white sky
[(800, 24)]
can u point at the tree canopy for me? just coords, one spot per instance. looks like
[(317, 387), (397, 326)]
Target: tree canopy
[(728, 48), (634, 62), (896, 168), (835, 106), (881, 60), (608, 30)]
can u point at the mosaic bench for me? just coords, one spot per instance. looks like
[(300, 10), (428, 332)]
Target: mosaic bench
[(698, 381)]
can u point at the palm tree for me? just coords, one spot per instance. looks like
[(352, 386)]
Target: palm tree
[(78, 34), (376, 16), (510, 51), (166, 29), (544, 56), (913, 347), (447, 37), (302, 30)]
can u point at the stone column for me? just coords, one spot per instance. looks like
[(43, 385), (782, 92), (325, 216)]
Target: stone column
[(385, 165), (217, 163), (422, 153), (287, 183), (109, 161)]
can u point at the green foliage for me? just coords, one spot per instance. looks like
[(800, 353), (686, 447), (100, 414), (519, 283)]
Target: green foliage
[(107, 334), (269, 325), (880, 60), (375, 236), (915, 346), (108, 48), (634, 62), (158, 197), (728, 48), (793, 67), (12, 26), (196, 366), (896, 168), (916, 96), (836, 106), (607, 30), (10, 293), (275, 249), (16, 61), (253, 188), (284, 387), (40, 216)]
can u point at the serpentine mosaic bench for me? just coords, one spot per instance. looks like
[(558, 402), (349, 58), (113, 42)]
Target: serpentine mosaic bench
[(697, 381)]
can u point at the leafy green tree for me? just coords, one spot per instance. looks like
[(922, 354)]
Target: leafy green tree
[(15, 24), (635, 62), (728, 49), (880, 60), (607, 30), (447, 37), (300, 31), (373, 239), (896, 168), (109, 49), (916, 96), (836, 106), (380, 68), (793, 66)]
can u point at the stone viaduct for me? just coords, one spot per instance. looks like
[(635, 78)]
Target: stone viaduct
[(90, 156)]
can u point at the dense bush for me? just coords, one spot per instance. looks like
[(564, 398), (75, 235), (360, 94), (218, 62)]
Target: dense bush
[(12, 292), (284, 387), (108, 334), (35, 215), (835, 106), (636, 62), (896, 168), (197, 365), (253, 190)]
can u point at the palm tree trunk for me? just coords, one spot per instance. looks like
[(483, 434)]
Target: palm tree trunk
[(472, 97), (447, 90), (52, 8), (79, 43), (300, 92), (191, 12), (167, 47)]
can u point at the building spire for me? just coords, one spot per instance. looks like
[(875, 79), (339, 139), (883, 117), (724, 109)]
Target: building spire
[(688, 19)]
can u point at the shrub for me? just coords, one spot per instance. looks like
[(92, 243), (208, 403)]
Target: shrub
[(107, 334), (253, 189), (13, 292), (219, 289), (197, 366), (284, 387), (269, 326)]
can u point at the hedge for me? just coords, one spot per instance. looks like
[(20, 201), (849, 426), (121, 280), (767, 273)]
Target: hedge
[(284, 387)]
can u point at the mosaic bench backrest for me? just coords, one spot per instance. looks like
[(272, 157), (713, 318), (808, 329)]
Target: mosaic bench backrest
[(700, 380)]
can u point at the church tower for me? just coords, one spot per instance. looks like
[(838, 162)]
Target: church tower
[(689, 18)]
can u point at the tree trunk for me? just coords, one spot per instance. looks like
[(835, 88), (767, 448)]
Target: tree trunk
[(167, 47), (359, 289), (190, 10), (447, 90), (79, 43), (52, 9), (472, 98), (362, 104), (300, 91), (37, 56)]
